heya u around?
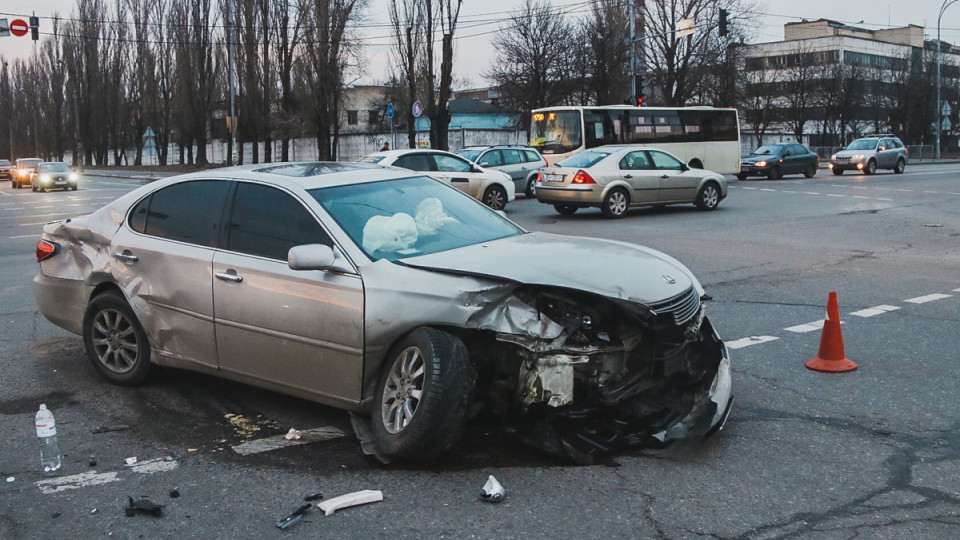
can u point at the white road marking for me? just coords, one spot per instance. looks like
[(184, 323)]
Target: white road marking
[(956, 290), (22, 236), (151, 466), (835, 195), (39, 207), (860, 197), (928, 298), (877, 310), (767, 189), (280, 441), (804, 328), (747, 341), (811, 193), (905, 190), (788, 191), (933, 192), (76, 481), (749, 188), (883, 199)]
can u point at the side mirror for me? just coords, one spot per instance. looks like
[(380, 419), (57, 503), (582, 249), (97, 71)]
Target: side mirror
[(484, 163), (476, 168), (316, 257), (684, 167)]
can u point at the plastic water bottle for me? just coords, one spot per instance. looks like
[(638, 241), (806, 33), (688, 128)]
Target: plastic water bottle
[(47, 433)]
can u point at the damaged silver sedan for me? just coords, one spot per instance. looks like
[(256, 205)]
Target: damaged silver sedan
[(388, 293)]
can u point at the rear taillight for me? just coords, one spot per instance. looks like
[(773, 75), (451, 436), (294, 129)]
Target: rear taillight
[(539, 177), (582, 178), (45, 250)]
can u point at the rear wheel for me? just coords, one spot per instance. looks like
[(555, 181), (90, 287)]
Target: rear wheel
[(531, 190), (495, 197), (709, 196), (901, 166), (811, 171), (115, 341), (871, 167), (615, 204), (566, 209), (422, 396), (33, 187), (837, 172)]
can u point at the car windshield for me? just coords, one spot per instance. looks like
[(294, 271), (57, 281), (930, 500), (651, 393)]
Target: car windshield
[(400, 218), (26, 163), (583, 159), (53, 167), (4, 163), (469, 154), (767, 150), (863, 144), (371, 159)]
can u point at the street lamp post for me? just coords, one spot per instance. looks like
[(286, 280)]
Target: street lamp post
[(6, 75), (943, 7)]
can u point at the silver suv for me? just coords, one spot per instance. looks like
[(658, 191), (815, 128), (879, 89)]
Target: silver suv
[(521, 162), (869, 154)]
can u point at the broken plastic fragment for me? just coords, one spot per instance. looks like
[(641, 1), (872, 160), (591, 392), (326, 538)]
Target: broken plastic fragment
[(10, 479), (108, 428), (293, 434), (492, 491), (142, 506), (174, 493), (350, 499), (294, 517), (313, 497), (130, 460)]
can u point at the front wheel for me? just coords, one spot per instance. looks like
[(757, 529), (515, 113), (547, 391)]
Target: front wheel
[(495, 197), (773, 173), (422, 396), (871, 167), (837, 172), (709, 197), (901, 166), (615, 204), (811, 171), (741, 176), (115, 341), (566, 209)]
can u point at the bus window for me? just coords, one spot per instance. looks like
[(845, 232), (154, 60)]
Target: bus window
[(603, 127), (556, 132)]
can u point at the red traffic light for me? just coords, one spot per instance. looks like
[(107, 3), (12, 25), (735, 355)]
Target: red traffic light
[(640, 102)]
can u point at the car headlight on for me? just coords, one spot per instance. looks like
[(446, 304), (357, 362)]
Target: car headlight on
[(833, 157), (761, 163), (45, 178), (74, 177)]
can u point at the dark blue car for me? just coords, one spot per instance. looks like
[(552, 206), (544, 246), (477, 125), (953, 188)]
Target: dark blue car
[(776, 160)]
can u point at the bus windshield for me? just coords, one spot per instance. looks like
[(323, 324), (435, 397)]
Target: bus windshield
[(556, 132)]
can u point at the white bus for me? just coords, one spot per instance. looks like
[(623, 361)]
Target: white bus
[(704, 137)]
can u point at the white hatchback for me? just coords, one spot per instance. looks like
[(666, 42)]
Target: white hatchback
[(493, 188)]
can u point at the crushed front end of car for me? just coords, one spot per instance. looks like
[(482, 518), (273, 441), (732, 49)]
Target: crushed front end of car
[(605, 374)]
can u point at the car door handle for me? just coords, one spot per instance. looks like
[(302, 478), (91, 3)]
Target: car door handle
[(628, 176), (126, 256), (229, 275), (459, 180), (665, 176)]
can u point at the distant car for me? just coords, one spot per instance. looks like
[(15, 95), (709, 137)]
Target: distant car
[(385, 292), (778, 159), (21, 175), (869, 154), (615, 178), (492, 188), (521, 162), (6, 169), (53, 175)]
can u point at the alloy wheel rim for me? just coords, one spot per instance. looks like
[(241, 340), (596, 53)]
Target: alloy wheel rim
[(618, 203), (403, 390), (495, 199), (710, 196), (115, 341)]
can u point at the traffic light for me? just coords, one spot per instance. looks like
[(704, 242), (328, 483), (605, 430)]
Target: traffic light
[(638, 89), (640, 102), (723, 22), (35, 28)]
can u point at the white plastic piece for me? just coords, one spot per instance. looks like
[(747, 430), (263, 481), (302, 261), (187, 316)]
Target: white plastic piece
[(130, 460), (493, 491), (350, 499), (293, 434)]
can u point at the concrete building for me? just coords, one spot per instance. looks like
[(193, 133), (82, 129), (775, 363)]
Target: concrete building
[(812, 50)]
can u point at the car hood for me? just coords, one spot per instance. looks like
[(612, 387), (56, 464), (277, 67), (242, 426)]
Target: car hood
[(613, 269), (851, 153), (755, 158)]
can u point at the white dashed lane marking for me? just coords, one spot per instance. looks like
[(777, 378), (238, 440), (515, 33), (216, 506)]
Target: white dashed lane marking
[(87, 479), (747, 341), (804, 328), (927, 298), (877, 310)]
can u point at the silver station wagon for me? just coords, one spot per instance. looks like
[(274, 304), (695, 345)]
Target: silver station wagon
[(393, 295)]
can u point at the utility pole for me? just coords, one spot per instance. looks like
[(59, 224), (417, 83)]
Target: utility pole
[(943, 7), (6, 75), (232, 157), (636, 35)]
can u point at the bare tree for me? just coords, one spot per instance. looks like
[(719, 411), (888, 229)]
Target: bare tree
[(406, 20), (530, 67), (288, 20), (196, 73), (799, 86), (603, 52)]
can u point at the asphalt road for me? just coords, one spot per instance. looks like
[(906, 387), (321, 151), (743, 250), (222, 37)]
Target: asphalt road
[(874, 453)]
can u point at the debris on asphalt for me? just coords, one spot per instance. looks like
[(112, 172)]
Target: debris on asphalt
[(56, 515), (493, 492), (933, 224), (130, 460), (174, 493), (313, 497), (294, 517), (10, 479), (108, 428), (142, 505), (293, 434), (364, 433), (94, 511), (350, 499), (92, 463)]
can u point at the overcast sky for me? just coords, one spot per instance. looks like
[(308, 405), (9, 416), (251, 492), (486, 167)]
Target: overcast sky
[(479, 20)]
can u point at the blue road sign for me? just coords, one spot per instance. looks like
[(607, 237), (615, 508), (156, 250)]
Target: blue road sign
[(389, 110), (417, 109)]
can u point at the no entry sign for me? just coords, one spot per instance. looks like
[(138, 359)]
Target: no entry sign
[(18, 27)]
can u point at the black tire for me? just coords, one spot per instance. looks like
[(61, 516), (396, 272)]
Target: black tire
[(531, 190), (115, 340), (871, 167), (73, 188), (773, 173), (615, 204), (709, 196), (566, 209), (837, 172), (900, 167), (741, 176), (495, 197), (33, 187), (435, 366), (811, 171)]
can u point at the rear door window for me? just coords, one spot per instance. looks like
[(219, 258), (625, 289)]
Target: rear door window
[(511, 157), (187, 212), (531, 155), (415, 162)]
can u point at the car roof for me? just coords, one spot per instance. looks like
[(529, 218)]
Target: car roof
[(307, 175)]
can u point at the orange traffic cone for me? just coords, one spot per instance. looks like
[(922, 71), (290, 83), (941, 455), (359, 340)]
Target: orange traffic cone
[(831, 357)]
